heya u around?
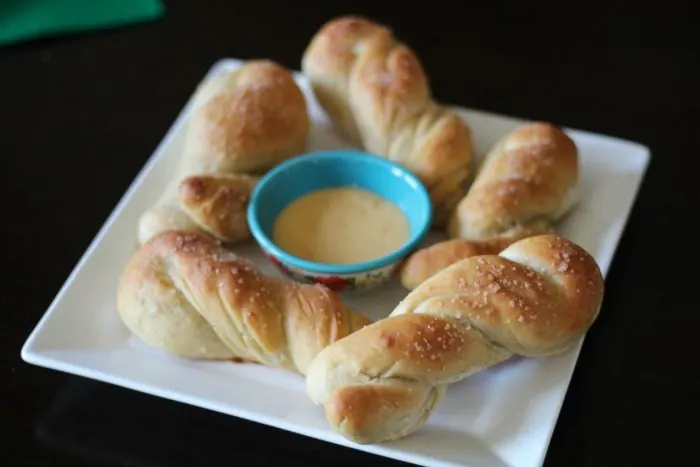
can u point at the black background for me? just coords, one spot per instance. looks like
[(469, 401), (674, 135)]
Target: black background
[(80, 115)]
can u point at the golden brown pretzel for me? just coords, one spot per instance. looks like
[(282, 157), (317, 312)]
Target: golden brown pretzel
[(243, 123), (183, 293), (430, 260), (527, 180), (526, 184), (376, 92), (536, 298)]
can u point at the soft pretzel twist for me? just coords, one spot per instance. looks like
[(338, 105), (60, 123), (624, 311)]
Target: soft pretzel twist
[(525, 185), (528, 179), (184, 294), (243, 123), (536, 298), (376, 92), (432, 259)]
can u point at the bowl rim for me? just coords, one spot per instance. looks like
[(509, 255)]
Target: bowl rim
[(337, 269)]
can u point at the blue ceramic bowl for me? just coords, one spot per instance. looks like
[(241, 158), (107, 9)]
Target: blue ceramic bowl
[(332, 169)]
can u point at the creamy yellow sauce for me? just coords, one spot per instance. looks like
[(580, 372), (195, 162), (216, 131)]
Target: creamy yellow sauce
[(341, 226)]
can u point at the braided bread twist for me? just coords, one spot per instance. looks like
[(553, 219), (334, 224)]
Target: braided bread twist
[(432, 259), (184, 294), (376, 92), (526, 184), (536, 298), (528, 179), (243, 123)]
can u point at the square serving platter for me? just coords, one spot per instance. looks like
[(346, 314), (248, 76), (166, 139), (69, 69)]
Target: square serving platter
[(503, 416)]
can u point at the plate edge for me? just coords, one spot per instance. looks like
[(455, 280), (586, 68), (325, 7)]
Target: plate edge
[(646, 157)]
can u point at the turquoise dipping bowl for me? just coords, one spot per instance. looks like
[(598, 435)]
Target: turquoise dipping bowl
[(333, 169)]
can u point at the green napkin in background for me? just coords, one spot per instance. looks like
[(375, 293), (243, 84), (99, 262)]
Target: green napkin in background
[(22, 20)]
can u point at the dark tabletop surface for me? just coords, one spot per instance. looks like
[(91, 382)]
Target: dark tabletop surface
[(80, 115)]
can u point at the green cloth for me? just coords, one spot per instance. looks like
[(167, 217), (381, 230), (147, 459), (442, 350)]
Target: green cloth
[(22, 20)]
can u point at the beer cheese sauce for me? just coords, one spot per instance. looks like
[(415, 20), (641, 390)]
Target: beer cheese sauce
[(341, 226)]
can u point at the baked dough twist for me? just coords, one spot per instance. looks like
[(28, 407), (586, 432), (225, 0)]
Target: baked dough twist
[(526, 184), (184, 294), (243, 123), (376, 92), (536, 298), (426, 262), (527, 180)]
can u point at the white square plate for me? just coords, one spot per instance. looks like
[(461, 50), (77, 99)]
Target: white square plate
[(502, 416)]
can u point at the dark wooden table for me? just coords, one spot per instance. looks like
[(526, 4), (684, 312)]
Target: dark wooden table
[(80, 115)]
